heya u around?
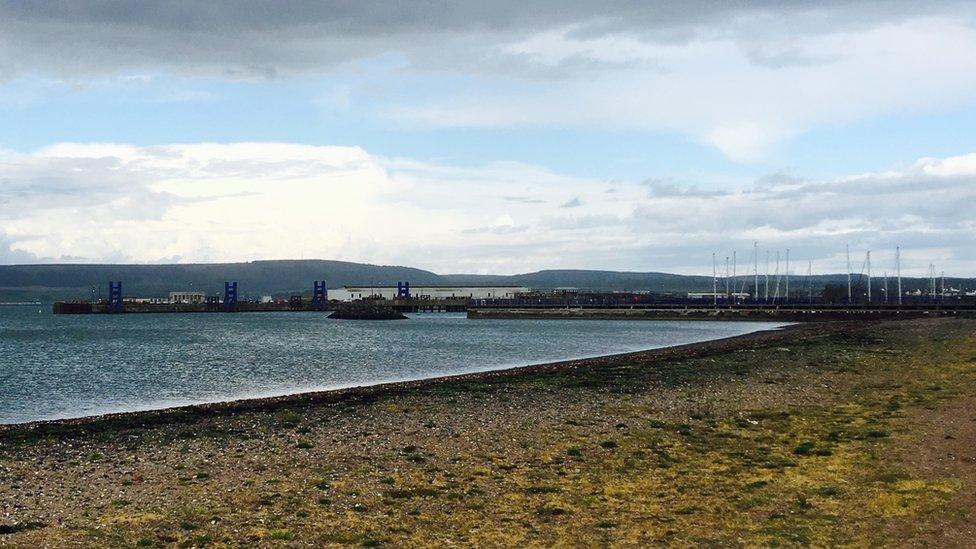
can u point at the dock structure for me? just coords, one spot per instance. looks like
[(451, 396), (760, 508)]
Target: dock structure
[(115, 303), (403, 290), (402, 302), (781, 313), (413, 305), (230, 297), (519, 302), (320, 296)]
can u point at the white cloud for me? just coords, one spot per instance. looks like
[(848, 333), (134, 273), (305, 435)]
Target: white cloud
[(949, 167), (245, 201), (739, 76), (712, 88)]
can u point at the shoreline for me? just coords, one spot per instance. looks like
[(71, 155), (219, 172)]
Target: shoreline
[(367, 393), (819, 434)]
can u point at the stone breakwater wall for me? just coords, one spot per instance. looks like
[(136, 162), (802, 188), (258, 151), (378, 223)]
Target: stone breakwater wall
[(770, 314)]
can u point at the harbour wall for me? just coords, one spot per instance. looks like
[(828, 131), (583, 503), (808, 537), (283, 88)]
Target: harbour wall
[(724, 314), (399, 305)]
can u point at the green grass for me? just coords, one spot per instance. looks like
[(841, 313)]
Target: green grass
[(804, 449), (281, 534)]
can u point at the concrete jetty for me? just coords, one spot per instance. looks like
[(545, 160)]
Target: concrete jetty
[(777, 314)]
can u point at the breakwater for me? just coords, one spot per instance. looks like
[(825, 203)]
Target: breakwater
[(399, 305), (85, 307), (784, 314)]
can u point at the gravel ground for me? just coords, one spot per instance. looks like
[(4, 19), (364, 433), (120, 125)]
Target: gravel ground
[(805, 436)]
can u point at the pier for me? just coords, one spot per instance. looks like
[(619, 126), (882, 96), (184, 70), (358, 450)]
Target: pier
[(487, 302), (507, 309), (427, 299), (781, 313), (292, 305)]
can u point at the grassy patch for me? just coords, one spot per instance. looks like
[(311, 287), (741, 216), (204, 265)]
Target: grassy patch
[(281, 534)]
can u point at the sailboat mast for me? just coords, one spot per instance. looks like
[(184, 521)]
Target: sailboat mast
[(733, 276), (898, 268), (726, 277), (810, 280), (766, 297), (755, 258), (886, 286), (714, 282), (787, 275), (849, 300), (776, 294), (869, 275)]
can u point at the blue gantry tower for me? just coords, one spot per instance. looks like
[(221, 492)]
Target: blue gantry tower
[(115, 297), (403, 290), (320, 296), (230, 296)]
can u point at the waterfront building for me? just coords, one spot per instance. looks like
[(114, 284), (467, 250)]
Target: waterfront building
[(720, 296), (187, 297)]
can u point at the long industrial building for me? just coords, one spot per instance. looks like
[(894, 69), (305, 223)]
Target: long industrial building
[(351, 293)]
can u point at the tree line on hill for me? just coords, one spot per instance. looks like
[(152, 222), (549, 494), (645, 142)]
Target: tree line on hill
[(282, 278)]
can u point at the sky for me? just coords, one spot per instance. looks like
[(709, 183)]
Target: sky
[(491, 137)]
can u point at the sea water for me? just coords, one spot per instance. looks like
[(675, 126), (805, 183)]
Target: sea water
[(78, 365)]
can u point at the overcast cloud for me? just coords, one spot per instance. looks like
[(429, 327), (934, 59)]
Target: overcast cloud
[(234, 37), (233, 202), (733, 81), (739, 76)]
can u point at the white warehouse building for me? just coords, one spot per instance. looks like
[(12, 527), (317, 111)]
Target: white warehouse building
[(351, 293)]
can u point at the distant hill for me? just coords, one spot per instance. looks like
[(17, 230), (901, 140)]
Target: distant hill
[(52, 282), (592, 280), (286, 277), (675, 283)]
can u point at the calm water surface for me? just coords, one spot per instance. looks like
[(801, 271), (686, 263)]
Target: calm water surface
[(70, 366)]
